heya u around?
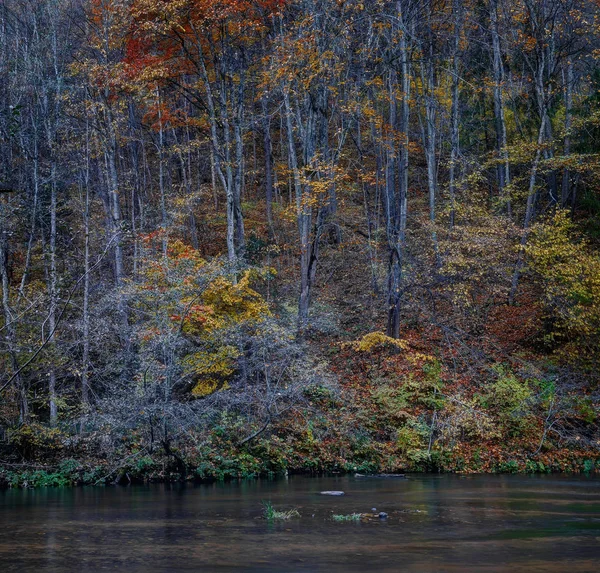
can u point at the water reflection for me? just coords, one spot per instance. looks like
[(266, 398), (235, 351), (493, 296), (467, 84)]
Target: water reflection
[(435, 523)]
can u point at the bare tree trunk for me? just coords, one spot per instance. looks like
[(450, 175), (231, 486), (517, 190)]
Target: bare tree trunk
[(391, 209), (116, 220), (186, 174), (304, 216), (430, 128), (503, 169), (10, 335), (397, 203), (430, 142), (85, 365), (213, 179), (52, 288), (161, 177), (85, 384), (221, 156), (454, 120), (36, 188), (529, 211), (268, 151), (568, 81), (239, 173)]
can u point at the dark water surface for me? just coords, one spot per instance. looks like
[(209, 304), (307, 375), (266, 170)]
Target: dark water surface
[(435, 523)]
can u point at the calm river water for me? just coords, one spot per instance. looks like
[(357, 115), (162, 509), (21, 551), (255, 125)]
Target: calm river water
[(436, 523)]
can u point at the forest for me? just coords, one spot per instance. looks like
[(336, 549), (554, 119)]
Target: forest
[(249, 237)]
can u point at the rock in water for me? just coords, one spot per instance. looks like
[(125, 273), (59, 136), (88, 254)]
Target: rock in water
[(332, 493)]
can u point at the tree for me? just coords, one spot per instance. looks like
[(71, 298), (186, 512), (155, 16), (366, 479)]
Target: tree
[(203, 50), (569, 273)]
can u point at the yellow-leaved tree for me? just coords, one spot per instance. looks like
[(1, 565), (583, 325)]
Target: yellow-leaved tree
[(570, 276), (191, 307), (223, 305)]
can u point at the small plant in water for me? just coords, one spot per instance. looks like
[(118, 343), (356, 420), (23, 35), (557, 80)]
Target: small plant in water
[(270, 513), (349, 517)]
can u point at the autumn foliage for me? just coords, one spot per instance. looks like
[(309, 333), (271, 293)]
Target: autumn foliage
[(241, 237)]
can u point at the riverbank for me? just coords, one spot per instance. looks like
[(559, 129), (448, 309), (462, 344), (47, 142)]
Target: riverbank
[(159, 468)]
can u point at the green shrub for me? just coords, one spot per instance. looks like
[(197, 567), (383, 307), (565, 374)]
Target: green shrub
[(535, 467), (588, 466), (512, 400), (508, 467)]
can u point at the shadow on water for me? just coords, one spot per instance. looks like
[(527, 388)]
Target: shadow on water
[(435, 523)]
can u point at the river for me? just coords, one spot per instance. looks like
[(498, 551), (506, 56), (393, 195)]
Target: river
[(444, 523)]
